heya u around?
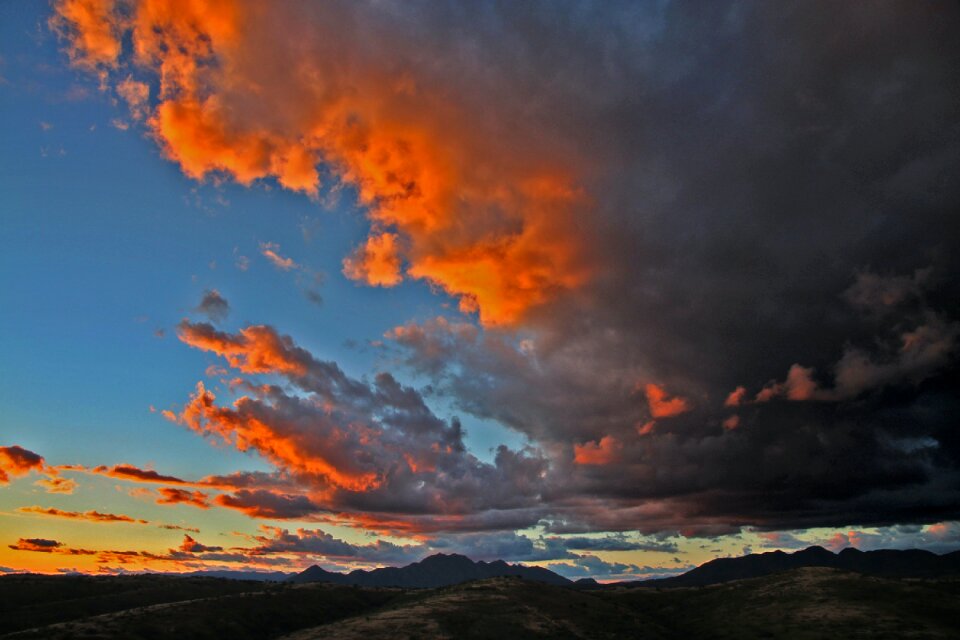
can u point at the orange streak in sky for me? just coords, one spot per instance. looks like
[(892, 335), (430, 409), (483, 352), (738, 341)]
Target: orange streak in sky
[(92, 516)]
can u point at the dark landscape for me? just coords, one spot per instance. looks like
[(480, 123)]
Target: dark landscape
[(811, 593)]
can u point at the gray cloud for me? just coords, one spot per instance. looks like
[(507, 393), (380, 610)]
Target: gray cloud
[(363, 447), (594, 567), (261, 503), (618, 543), (213, 305)]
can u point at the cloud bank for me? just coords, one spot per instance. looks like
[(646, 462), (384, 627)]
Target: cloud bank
[(705, 257)]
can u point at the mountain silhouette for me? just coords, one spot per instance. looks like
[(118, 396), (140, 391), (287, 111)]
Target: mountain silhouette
[(888, 563), (439, 570)]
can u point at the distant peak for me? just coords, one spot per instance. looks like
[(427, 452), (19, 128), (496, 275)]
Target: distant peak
[(815, 549), (447, 558), (437, 570)]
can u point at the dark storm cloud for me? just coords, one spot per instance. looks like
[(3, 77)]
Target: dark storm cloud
[(772, 207), (617, 543), (776, 193), (261, 503)]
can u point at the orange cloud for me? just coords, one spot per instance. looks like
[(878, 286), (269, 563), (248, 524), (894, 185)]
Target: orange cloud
[(129, 472), (257, 349), (731, 423), (190, 545), (341, 437), (43, 545), (214, 370), (177, 527), (941, 530), (136, 95), (377, 262), (90, 29), (261, 503), (169, 495), (736, 397), (482, 207), (247, 480), (92, 516), (646, 428), (246, 431), (269, 251), (605, 451), (395, 525), (417, 466), (800, 383), (55, 484), (769, 392), (661, 406), (841, 540), (799, 386), (16, 461)]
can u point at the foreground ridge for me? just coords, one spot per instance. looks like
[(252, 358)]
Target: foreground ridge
[(809, 602)]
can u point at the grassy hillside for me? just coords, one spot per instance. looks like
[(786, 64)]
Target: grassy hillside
[(800, 604)]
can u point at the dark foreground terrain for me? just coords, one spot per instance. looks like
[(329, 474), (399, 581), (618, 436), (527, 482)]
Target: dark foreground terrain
[(801, 603)]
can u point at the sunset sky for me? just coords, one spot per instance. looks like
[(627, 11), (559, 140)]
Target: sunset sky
[(612, 288)]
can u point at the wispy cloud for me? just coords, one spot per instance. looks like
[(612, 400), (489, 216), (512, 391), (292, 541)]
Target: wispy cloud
[(270, 251), (91, 516)]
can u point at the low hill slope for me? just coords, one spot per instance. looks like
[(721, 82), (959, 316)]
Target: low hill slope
[(496, 608), (802, 604), (799, 604)]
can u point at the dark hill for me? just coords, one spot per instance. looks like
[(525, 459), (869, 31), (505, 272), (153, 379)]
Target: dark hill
[(800, 604), (439, 570), (888, 563)]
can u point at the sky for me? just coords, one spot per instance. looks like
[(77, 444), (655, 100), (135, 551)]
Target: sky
[(609, 287)]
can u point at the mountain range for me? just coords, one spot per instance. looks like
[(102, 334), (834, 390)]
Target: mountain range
[(888, 563), (441, 570)]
